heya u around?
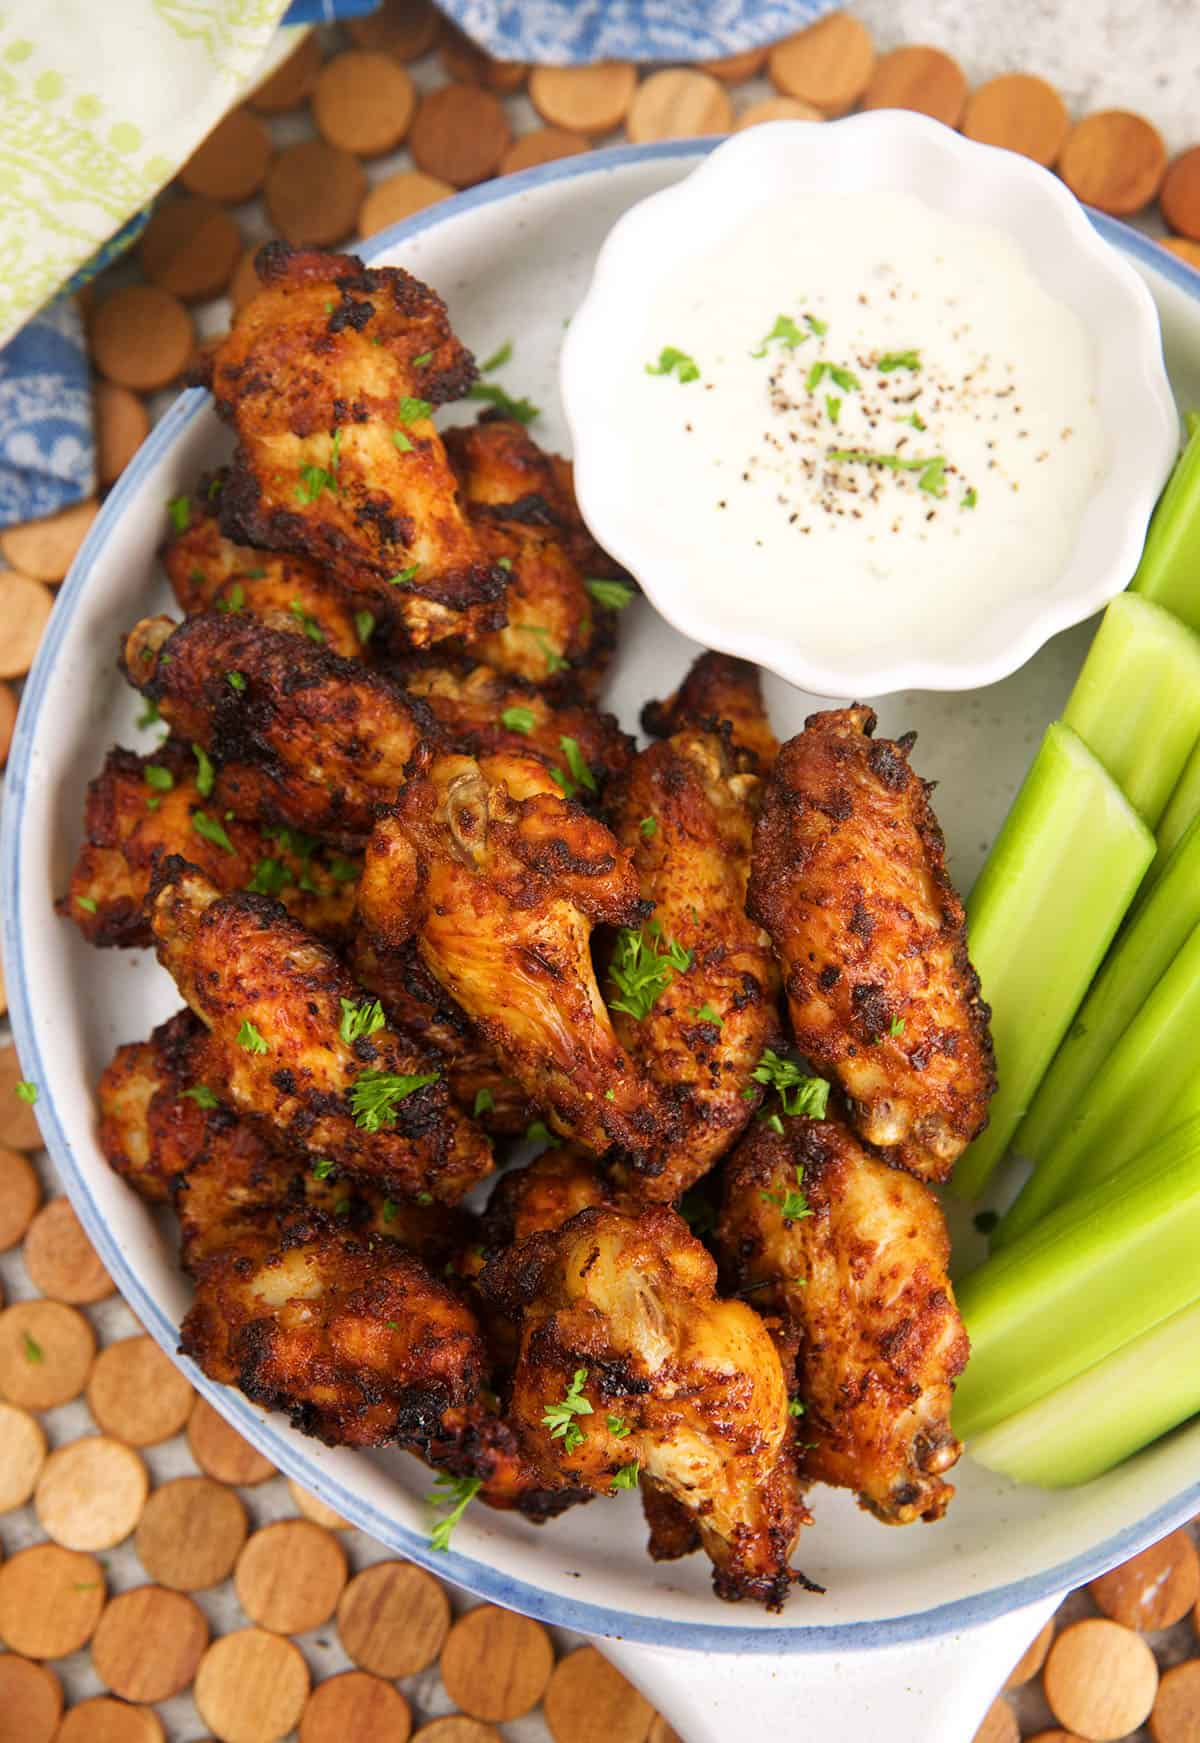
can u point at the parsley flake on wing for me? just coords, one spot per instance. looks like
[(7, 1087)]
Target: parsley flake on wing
[(558, 1417)]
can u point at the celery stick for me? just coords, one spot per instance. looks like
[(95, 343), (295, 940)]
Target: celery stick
[(1136, 703), (1169, 572), (1098, 1271), (1089, 1425), (1061, 874), (1182, 807), (1134, 1097), (1158, 928)]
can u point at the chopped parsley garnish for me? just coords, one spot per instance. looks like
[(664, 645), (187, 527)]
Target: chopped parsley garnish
[(798, 1093), (403, 576), (833, 407), (915, 419), (315, 479), (360, 1021), (413, 411), (772, 1122), (211, 830), (504, 563), (233, 600), (538, 1132), (820, 328), (205, 774), (484, 1102), (558, 1417), (451, 1496), (627, 1476), (498, 359), (364, 626), (342, 1207), (554, 660), (149, 714), (180, 511), (270, 876), (33, 1350), (969, 498), (671, 361), (898, 360), (795, 1407), (159, 778), (577, 765), (424, 1198), (897, 1026), (705, 1014), (403, 441), (641, 971), (792, 1203), (86, 903), (840, 377), (933, 478), (522, 410), (518, 720), (698, 1212), (986, 1220), (389, 1211), (422, 360), (294, 841), (614, 594), (374, 1095), (307, 621), (249, 1038), (236, 681), (201, 1095), (26, 1091), (932, 467), (344, 871), (322, 1169), (648, 827), (786, 331), (618, 1427)]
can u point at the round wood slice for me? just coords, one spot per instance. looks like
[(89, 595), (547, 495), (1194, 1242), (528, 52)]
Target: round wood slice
[(220, 1450), (148, 1643), (496, 1664), (50, 1601), (999, 1724), (22, 1455), (1020, 112), (190, 247), (1176, 1714), (1032, 1659), (25, 606), (363, 102), (457, 1728), (141, 337), (103, 1720), (460, 134), (230, 164), (828, 65), (589, 1701), (393, 1619), (290, 85), (45, 549), (191, 1534), (1183, 248), (1154, 1589), (398, 197), (1114, 160), (46, 1350), (316, 1510), (251, 1687), (678, 103), (355, 1706), (313, 192), (1100, 1679), (60, 1259), (587, 100), (31, 1700), (137, 1394), (920, 78), (8, 720), (20, 1195), (91, 1493), (290, 1576), (543, 145), (1179, 195), (122, 425), (776, 109), (405, 29), (735, 69)]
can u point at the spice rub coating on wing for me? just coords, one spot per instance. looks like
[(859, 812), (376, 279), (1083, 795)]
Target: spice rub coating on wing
[(849, 879), (274, 1002), (328, 376), (719, 694)]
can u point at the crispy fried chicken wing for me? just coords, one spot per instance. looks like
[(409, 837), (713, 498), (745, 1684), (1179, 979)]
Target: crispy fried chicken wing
[(685, 812), (209, 572), (140, 809), (849, 879), (544, 1195), (860, 1271), (141, 1101), (298, 735), (328, 376), (719, 694), (501, 879), (273, 1000), (620, 1315)]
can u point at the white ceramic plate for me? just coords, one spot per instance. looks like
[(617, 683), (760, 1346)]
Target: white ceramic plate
[(512, 259)]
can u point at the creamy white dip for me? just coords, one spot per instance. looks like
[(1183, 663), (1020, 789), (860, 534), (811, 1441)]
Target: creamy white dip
[(866, 412)]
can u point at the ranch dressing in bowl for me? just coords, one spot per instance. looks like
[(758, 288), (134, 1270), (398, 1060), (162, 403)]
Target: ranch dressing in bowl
[(869, 414)]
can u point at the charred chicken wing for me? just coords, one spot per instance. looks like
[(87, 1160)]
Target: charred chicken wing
[(849, 879), (854, 1254), (723, 695)]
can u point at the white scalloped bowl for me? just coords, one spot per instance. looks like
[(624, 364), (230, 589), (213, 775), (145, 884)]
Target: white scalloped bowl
[(886, 151)]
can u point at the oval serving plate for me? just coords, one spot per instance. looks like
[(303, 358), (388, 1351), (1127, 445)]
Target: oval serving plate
[(512, 259)]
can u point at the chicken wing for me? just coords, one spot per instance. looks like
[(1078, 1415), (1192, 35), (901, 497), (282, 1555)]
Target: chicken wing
[(209, 572), (849, 879), (500, 879), (724, 695), (293, 1044), (140, 809), (141, 1098), (631, 1367), (298, 735), (543, 1195), (854, 1254), (329, 376), (685, 813)]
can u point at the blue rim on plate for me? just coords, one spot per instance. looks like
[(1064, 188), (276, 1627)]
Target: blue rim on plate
[(475, 1576)]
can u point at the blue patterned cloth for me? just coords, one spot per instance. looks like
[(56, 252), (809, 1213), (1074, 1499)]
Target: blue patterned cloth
[(567, 32), (47, 459)]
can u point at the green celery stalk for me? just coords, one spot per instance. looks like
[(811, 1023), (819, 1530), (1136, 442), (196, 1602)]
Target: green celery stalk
[(1059, 878), (1136, 702), (1136, 1096), (1169, 572), (1100, 1270), (1182, 808), (1157, 930), (1083, 1429)]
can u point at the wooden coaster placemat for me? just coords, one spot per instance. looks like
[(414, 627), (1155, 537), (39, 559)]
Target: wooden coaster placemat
[(160, 1581)]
